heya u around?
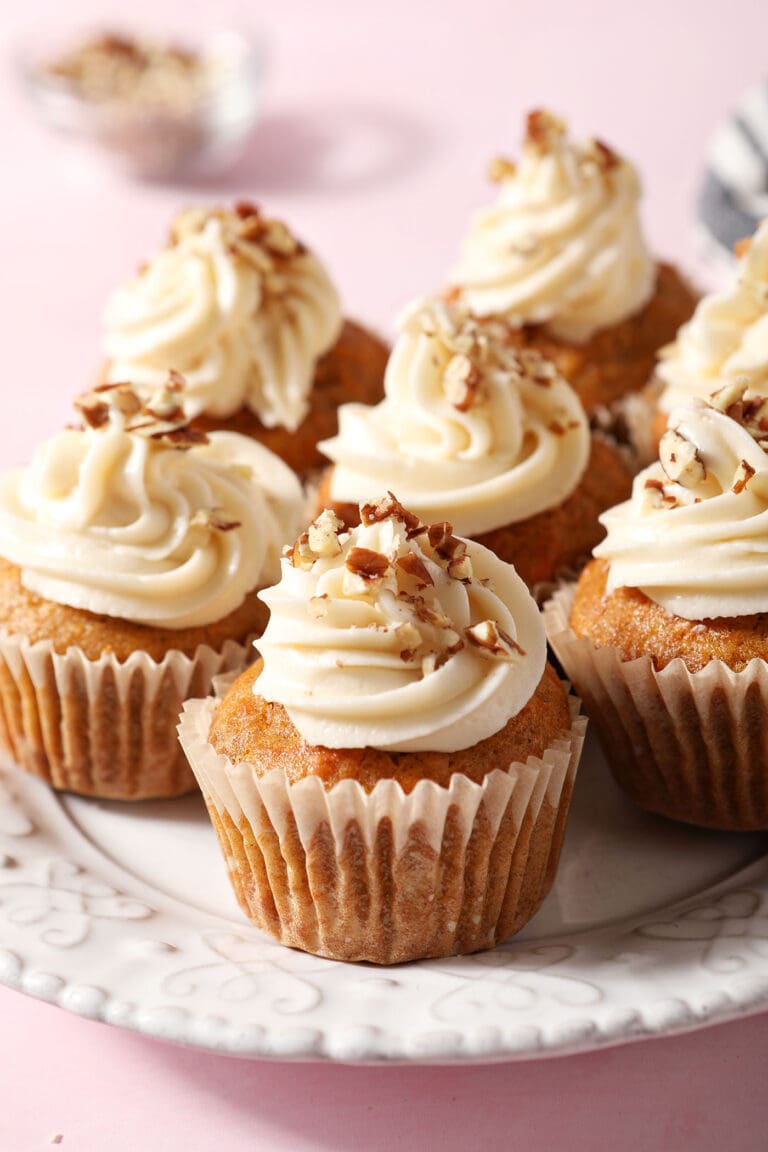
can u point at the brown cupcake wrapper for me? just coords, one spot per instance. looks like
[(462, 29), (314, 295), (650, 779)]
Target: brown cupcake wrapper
[(387, 876), (692, 746), (102, 727)]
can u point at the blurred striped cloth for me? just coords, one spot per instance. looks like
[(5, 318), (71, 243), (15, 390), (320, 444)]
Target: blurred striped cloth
[(734, 192)]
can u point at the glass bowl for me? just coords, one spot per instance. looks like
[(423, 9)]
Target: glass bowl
[(168, 129)]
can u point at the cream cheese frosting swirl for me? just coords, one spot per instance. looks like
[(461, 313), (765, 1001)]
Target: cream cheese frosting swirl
[(398, 636), (694, 534), (474, 430), (563, 244), (133, 516), (238, 305), (726, 339)]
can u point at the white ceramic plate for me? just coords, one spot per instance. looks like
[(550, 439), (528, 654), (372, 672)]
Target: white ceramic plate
[(124, 914)]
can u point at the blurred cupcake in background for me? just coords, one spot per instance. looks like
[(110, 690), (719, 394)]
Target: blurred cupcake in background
[(484, 434), (251, 318), (562, 258), (725, 341), (131, 551)]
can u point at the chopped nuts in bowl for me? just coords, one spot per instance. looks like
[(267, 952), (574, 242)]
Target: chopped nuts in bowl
[(156, 105)]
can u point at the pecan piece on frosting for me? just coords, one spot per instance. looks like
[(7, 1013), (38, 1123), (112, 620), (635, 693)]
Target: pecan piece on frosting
[(501, 169), (742, 477), (462, 382), (493, 641), (369, 565), (680, 459), (731, 393), (388, 506), (323, 534), (414, 567)]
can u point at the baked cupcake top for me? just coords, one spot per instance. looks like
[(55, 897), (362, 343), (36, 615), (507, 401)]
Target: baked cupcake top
[(727, 337), (398, 636), (238, 305), (474, 430), (694, 535), (134, 515), (563, 245)]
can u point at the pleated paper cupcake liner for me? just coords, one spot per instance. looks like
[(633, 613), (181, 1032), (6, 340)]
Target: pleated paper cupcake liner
[(102, 727), (387, 876), (692, 746)]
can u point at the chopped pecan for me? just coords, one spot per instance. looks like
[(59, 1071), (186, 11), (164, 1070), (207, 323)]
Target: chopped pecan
[(301, 555), (542, 129), (742, 477), (95, 412), (439, 533), (246, 208), (607, 158), (369, 565), (413, 566), (730, 394), (680, 459), (462, 382), (181, 437), (388, 506), (460, 568), (323, 534), (493, 640), (214, 518), (501, 169)]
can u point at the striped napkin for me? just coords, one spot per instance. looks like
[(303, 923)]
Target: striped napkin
[(734, 193)]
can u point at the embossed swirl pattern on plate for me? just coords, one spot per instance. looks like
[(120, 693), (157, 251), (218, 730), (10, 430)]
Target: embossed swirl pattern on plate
[(80, 931)]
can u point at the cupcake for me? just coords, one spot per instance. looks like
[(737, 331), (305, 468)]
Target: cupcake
[(666, 633), (726, 340), (250, 317), (392, 782), (561, 256), (131, 551), (486, 435)]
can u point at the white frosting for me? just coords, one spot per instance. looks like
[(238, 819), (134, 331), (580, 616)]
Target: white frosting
[(120, 523), (238, 306), (356, 666), (506, 443), (563, 244), (698, 548), (727, 336)]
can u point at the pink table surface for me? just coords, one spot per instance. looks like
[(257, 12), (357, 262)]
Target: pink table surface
[(377, 127)]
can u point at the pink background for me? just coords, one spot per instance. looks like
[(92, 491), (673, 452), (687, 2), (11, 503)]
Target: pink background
[(377, 127)]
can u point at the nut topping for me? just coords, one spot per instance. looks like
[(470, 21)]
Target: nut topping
[(388, 506), (680, 459), (323, 534), (543, 130), (214, 518), (412, 565), (501, 169), (728, 395), (462, 382), (742, 477), (493, 641), (460, 568), (369, 565)]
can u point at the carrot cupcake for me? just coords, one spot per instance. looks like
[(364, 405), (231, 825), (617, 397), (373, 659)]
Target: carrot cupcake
[(393, 781), (561, 257), (667, 634), (726, 340), (131, 549), (481, 433), (250, 317)]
